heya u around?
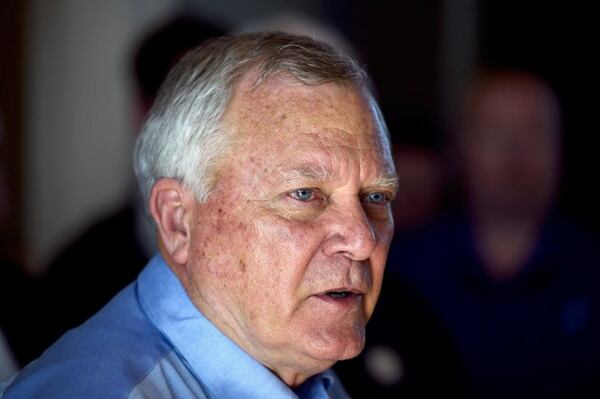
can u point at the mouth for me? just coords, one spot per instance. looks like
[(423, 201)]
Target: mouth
[(341, 296)]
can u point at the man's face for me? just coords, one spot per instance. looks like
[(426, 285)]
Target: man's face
[(288, 252), (512, 148)]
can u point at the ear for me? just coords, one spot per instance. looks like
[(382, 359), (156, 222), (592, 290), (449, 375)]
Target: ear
[(171, 207)]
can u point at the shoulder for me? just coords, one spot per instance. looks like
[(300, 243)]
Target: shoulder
[(169, 377), (105, 357)]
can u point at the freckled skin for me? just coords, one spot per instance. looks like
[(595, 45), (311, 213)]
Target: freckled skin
[(259, 257), (243, 266)]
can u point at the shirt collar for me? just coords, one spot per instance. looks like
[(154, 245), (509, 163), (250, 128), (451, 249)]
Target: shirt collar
[(318, 387), (214, 359)]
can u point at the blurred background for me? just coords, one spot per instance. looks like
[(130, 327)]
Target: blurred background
[(67, 90), (71, 102)]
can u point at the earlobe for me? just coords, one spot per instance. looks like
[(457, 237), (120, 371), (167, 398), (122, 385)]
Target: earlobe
[(170, 208)]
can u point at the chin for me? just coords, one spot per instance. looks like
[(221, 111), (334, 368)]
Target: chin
[(337, 343)]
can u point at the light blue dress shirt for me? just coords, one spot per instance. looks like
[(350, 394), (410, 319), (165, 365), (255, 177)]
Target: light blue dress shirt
[(150, 341)]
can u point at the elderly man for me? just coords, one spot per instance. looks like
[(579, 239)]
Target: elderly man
[(267, 171)]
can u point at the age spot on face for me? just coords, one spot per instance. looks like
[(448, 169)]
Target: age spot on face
[(243, 266)]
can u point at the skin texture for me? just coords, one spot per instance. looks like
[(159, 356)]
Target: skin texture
[(300, 208)]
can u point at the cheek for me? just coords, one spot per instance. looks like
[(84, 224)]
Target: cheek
[(282, 250), (218, 235)]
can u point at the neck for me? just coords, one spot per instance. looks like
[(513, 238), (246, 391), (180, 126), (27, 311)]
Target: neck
[(293, 378)]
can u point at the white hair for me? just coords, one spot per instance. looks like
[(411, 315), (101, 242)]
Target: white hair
[(183, 137)]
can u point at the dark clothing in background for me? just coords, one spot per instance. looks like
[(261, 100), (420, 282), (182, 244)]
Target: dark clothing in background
[(17, 322), (407, 353), (458, 333), (534, 336), (88, 273)]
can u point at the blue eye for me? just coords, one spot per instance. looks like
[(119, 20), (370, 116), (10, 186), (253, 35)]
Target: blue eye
[(303, 194), (376, 198)]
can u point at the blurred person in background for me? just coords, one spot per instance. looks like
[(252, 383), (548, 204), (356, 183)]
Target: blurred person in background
[(513, 284), (505, 290), (418, 205), (84, 275), (418, 159), (509, 146)]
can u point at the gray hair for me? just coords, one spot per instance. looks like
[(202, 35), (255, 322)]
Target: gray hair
[(183, 137)]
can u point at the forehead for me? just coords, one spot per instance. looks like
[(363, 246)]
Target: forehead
[(286, 116)]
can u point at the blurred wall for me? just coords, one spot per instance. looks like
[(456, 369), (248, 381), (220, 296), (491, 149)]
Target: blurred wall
[(78, 124)]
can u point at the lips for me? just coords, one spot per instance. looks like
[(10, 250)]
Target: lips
[(344, 290), (338, 294), (341, 296)]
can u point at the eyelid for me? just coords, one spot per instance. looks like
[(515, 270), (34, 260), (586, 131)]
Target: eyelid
[(316, 193), (388, 196)]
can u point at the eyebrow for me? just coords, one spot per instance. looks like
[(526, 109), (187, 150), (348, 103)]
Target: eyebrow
[(320, 173), (308, 172), (387, 181)]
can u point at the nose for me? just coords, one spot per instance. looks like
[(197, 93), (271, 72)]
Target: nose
[(351, 233)]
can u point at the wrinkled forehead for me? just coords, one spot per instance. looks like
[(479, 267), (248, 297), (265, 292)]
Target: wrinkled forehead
[(326, 115)]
